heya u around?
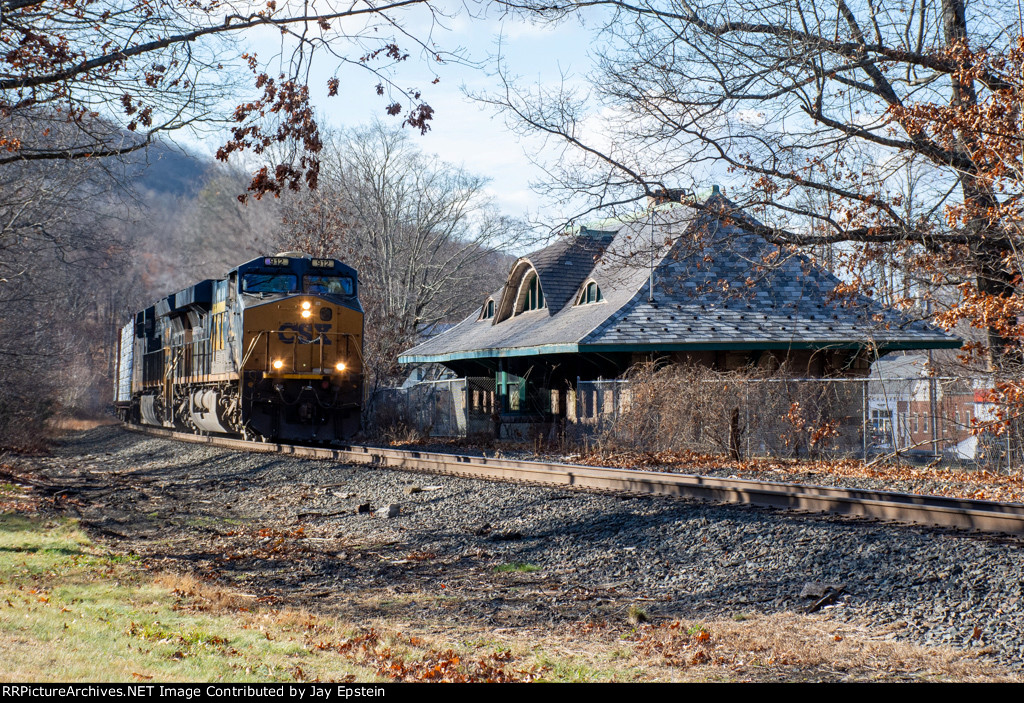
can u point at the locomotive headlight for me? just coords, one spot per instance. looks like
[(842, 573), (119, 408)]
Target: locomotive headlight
[(278, 364), (305, 305), (340, 366), (306, 313)]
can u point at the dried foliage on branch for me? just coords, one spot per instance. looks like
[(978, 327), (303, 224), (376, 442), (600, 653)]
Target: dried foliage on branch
[(121, 72), (888, 136), (989, 131)]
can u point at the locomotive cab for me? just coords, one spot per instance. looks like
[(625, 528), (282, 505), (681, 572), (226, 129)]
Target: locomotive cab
[(301, 347)]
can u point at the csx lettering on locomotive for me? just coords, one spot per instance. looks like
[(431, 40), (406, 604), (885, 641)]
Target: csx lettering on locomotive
[(304, 333)]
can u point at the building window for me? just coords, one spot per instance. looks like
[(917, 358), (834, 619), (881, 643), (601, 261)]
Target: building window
[(534, 294), (590, 294), (488, 310)]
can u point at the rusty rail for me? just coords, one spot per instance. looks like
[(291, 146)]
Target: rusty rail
[(967, 514)]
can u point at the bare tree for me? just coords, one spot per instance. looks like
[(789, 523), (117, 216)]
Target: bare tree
[(799, 102), (60, 246), (424, 236), (214, 232)]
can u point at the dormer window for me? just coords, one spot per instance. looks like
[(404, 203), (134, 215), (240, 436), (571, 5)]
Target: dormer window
[(488, 310), (591, 293), (522, 293), (534, 294)]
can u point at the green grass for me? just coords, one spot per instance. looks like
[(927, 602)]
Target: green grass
[(70, 611), (518, 567), (568, 669)]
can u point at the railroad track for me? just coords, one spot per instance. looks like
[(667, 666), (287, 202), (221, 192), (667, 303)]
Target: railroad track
[(966, 514)]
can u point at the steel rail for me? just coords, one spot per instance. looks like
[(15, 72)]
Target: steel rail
[(939, 511)]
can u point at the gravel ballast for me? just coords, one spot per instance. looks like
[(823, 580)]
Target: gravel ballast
[(512, 556)]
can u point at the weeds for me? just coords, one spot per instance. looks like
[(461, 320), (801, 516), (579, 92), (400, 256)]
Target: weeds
[(636, 615), (733, 413), (518, 567)]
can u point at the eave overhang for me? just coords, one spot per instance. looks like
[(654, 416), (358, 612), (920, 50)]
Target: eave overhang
[(882, 347)]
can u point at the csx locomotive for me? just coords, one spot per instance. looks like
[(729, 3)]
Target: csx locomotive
[(271, 351)]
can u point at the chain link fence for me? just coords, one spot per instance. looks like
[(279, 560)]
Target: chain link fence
[(917, 419)]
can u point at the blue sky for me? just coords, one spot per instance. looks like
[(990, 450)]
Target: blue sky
[(463, 131)]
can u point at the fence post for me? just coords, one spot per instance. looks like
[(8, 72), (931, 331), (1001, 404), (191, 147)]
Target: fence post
[(746, 416), (578, 408), (864, 419), (1009, 465)]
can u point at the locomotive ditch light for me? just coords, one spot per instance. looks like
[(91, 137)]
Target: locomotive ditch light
[(340, 366), (278, 364)]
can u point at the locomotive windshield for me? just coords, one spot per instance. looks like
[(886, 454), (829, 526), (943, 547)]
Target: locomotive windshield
[(337, 285), (270, 283)]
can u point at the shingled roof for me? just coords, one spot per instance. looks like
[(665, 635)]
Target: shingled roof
[(715, 288)]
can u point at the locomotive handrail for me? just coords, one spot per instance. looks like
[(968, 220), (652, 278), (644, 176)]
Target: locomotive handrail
[(252, 348), (174, 362)]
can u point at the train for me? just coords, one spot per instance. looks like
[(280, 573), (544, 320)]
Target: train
[(272, 351)]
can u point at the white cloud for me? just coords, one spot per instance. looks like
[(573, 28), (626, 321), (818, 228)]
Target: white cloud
[(749, 116)]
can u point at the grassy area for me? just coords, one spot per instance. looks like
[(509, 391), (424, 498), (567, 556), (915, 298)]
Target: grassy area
[(517, 567), (71, 610)]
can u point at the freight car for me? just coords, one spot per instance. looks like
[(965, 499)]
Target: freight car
[(271, 351)]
